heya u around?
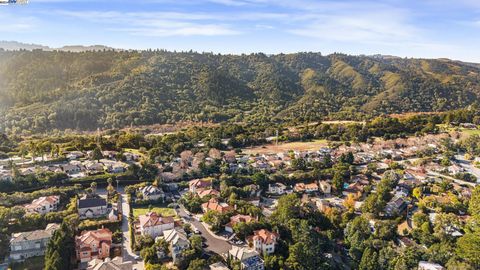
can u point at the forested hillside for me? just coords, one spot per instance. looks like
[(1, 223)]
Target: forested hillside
[(44, 90)]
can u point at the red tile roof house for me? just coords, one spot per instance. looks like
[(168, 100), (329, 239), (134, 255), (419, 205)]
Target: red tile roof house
[(237, 219), (208, 192), (214, 205), (199, 184), (263, 241), (93, 245), (154, 225)]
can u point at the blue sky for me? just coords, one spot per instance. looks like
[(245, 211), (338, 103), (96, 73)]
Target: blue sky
[(410, 28)]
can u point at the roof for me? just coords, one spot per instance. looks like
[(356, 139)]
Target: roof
[(152, 219), (43, 201), (214, 205), (34, 235), (91, 202), (241, 253), (88, 237), (218, 266), (208, 192), (151, 190), (265, 236), (175, 236), (116, 263)]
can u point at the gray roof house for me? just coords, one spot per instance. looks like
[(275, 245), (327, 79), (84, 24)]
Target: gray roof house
[(92, 208), (29, 244)]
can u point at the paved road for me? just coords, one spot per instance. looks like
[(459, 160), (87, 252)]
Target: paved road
[(467, 165), (458, 181), (215, 244), (128, 254)]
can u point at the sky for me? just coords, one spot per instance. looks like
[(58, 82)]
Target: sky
[(406, 28)]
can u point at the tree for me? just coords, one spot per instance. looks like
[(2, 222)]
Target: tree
[(369, 260), (467, 248), (417, 193), (97, 154), (197, 264)]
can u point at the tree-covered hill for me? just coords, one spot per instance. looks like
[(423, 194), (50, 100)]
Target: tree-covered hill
[(47, 90)]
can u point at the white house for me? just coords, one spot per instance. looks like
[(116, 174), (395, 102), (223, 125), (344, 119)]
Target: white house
[(325, 187), (264, 241), (178, 242), (29, 244), (154, 225), (423, 265), (92, 207), (249, 259), (277, 188), (152, 193), (43, 205)]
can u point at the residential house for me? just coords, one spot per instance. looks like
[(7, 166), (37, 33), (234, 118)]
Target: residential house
[(423, 265), (29, 244), (154, 225), (237, 219), (218, 266), (116, 263), (355, 188), (395, 206), (325, 187), (264, 241), (454, 169), (178, 242), (43, 205), (215, 205), (93, 245), (71, 168), (208, 192), (199, 184), (249, 259), (75, 155), (92, 207), (93, 167), (277, 189), (308, 188), (152, 193)]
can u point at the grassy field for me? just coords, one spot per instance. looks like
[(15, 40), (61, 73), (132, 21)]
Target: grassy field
[(464, 132), (283, 147), (163, 211)]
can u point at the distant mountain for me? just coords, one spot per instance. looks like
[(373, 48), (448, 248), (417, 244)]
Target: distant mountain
[(47, 90), (15, 46)]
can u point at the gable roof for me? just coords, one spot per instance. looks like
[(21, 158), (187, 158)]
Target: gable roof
[(91, 202), (152, 219)]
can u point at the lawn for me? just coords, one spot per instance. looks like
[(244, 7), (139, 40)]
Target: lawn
[(163, 211), (34, 263)]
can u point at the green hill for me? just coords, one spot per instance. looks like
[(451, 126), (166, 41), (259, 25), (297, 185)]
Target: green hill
[(57, 90)]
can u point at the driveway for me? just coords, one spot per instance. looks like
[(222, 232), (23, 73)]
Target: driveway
[(128, 254), (215, 243)]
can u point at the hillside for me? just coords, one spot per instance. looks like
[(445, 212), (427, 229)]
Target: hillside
[(47, 90)]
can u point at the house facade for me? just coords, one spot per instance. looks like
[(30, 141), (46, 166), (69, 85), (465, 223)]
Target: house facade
[(215, 205), (178, 242), (263, 241), (152, 193), (154, 225), (93, 245), (277, 188), (43, 205), (249, 259), (29, 244), (92, 208)]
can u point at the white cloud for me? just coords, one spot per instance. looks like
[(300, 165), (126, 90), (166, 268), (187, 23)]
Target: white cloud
[(156, 23)]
